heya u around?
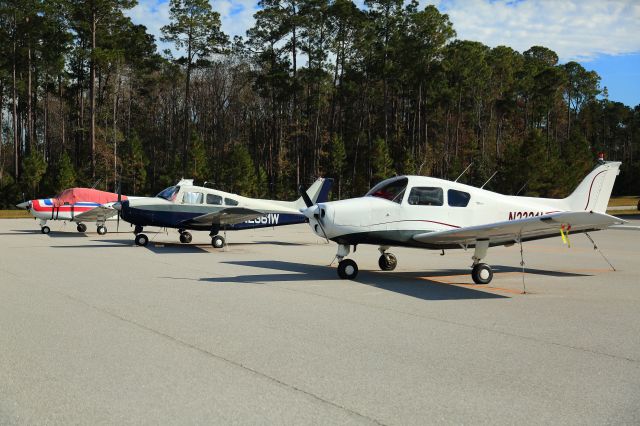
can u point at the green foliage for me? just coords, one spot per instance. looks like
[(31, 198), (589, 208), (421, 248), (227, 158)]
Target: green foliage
[(34, 167), (337, 161), (197, 164), (66, 176), (134, 165), (381, 161), (239, 172)]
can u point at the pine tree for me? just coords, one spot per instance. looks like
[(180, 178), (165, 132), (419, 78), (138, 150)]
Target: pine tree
[(338, 159), (34, 167), (66, 177), (381, 161)]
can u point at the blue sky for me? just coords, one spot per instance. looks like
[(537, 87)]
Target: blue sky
[(603, 35)]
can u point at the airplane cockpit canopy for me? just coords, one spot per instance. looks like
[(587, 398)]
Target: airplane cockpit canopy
[(390, 189), (169, 193)]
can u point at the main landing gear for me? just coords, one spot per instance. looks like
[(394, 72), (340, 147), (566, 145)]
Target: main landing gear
[(81, 227), (185, 237), (101, 230), (481, 272), (387, 261), (45, 229), (217, 241)]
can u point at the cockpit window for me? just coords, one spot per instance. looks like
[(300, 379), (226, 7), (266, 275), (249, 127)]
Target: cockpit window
[(169, 193), (392, 191), (458, 198), (192, 198), (425, 196)]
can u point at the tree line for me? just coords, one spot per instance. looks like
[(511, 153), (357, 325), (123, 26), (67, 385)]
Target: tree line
[(315, 87)]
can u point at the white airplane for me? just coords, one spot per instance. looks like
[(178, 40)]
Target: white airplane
[(186, 206), (430, 213), (78, 205)]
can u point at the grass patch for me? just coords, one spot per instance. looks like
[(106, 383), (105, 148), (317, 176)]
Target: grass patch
[(623, 201), (14, 214)]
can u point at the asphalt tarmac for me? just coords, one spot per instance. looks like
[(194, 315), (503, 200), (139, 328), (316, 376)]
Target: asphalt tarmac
[(94, 330)]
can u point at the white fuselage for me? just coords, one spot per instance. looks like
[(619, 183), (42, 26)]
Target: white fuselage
[(424, 205)]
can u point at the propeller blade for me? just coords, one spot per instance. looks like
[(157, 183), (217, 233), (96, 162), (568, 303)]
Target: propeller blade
[(119, 203), (305, 196)]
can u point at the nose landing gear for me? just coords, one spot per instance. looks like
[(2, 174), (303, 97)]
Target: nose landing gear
[(387, 261), (185, 237)]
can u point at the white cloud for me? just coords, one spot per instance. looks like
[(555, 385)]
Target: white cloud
[(574, 29), (236, 16)]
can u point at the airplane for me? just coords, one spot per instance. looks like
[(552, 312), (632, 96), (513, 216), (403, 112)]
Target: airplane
[(75, 205), (185, 206), (430, 213)]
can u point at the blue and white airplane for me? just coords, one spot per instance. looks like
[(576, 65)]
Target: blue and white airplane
[(185, 206)]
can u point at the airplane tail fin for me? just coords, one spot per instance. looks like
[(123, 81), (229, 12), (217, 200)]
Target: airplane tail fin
[(318, 192), (593, 193)]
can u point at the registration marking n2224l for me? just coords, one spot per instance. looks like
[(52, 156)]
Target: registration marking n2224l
[(525, 214), (268, 219)]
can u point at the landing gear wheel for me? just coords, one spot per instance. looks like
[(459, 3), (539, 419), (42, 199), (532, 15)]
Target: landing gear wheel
[(185, 237), (142, 240), (217, 241), (387, 262), (101, 230), (482, 273), (81, 227), (45, 230), (348, 269), (137, 230)]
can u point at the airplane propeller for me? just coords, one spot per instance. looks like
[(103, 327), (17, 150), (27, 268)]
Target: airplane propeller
[(119, 204), (312, 210)]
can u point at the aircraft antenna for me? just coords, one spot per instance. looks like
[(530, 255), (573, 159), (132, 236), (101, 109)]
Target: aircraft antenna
[(464, 171), (494, 173), (522, 187)]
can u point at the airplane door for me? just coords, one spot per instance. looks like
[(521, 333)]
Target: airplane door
[(462, 208), (424, 209)]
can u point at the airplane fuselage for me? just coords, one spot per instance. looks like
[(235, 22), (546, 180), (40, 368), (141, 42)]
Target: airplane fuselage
[(423, 204)]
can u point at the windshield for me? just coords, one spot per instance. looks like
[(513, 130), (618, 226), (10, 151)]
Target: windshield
[(392, 191), (169, 193)]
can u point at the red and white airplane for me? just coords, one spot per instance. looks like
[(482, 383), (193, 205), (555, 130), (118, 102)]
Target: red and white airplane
[(430, 213), (75, 205)]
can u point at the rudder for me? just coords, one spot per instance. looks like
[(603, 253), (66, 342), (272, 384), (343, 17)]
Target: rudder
[(593, 193)]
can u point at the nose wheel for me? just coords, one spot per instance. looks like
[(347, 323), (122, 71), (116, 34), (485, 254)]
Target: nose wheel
[(45, 230), (347, 269), (482, 273), (81, 227), (387, 262), (185, 237), (102, 230)]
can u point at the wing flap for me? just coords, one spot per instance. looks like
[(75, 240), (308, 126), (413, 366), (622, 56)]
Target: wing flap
[(228, 216), (510, 231), (97, 214)]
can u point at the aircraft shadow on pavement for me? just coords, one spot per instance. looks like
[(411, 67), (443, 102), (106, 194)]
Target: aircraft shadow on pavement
[(160, 247), (401, 282)]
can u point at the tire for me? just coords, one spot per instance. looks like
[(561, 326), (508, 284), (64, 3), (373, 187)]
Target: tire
[(101, 230), (217, 241), (45, 230), (142, 240), (347, 269), (81, 227), (185, 238), (387, 262), (482, 273)]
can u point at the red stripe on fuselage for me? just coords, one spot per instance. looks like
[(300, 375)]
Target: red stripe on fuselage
[(590, 187)]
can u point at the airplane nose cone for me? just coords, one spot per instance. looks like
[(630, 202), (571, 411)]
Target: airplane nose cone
[(25, 205)]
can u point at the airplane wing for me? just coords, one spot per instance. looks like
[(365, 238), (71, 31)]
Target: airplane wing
[(522, 229), (229, 216), (100, 213)]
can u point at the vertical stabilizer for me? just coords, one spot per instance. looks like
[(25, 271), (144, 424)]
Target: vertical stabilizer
[(594, 191), (318, 192)]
